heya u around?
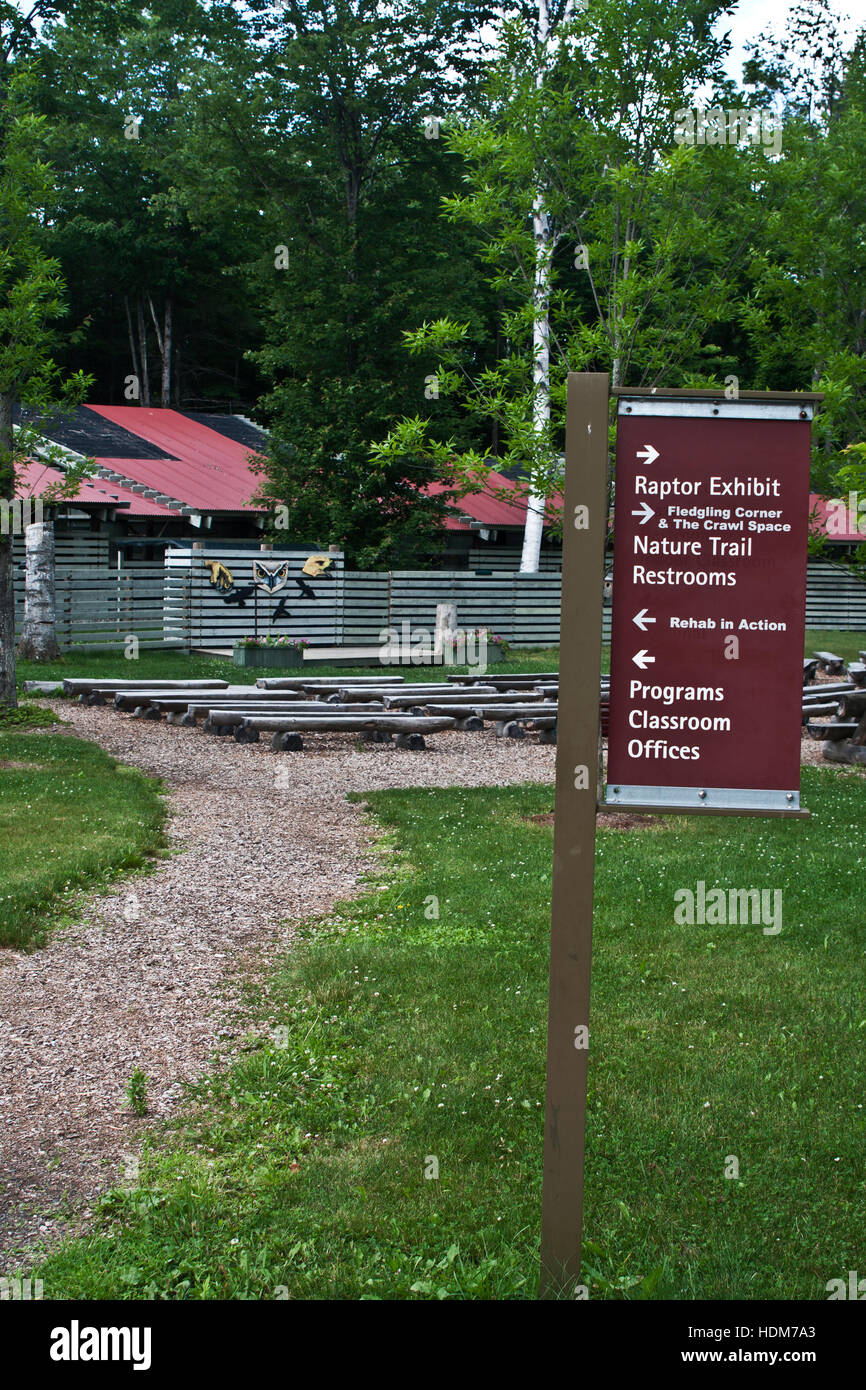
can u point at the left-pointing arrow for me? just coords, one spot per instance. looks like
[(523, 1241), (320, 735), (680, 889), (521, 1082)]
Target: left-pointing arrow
[(642, 659)]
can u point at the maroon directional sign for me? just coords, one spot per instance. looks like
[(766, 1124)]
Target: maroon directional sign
[(709, 596)]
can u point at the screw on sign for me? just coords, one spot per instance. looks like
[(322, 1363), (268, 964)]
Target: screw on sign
[(711, 525)]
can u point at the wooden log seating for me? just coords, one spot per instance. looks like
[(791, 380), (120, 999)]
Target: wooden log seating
[(378, 709), (843, 735), (829, 662), (824, 699), (96, 692)]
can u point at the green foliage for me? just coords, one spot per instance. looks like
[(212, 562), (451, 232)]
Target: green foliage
[(31, 298), (26, 716), (136, 1092), (805, 313), (350, 186), (144, 221), (631, 257), (31, 286)]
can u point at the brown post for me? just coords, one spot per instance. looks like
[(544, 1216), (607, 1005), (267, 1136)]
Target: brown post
[(584, 532)]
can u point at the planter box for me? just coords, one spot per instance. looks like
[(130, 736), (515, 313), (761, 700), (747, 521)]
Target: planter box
[(280, 657)]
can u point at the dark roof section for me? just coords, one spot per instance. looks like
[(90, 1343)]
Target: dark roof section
[(90, 434), (230, 427)]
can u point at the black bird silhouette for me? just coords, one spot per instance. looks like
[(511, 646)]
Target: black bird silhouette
[(240, 595), (281, 611)]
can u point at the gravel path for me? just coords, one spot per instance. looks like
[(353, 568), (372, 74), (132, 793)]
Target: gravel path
[(147, 976)]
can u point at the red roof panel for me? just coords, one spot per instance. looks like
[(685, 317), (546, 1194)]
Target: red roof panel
[(486, 507), (206, 470), (36, 478)]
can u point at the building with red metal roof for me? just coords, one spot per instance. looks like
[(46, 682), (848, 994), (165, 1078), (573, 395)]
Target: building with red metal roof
[(166, 476)]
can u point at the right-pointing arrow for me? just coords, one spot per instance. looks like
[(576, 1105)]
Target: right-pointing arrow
[(641, 619), (648, 453), (642, 659), (644, 514)]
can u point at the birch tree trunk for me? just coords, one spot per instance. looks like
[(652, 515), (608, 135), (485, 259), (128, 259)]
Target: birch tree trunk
[(132, 348), (142, 349), (535, 501), (39, 633), (166, 352), (8, 696)]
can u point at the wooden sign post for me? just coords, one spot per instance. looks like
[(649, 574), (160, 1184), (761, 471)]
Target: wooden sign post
[(585, 524), (712, 503)]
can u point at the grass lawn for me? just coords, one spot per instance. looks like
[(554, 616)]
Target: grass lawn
[(70, 816), (402, 1044), (844, 644), (174, 665)]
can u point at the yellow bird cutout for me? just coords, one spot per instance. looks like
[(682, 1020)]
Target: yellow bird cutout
[(220, 577), (316, 565)]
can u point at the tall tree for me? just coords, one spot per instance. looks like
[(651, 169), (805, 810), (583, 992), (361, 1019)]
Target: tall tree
[(30, 302), (603, 237), (166, 323), (333, 113), (806, 314)]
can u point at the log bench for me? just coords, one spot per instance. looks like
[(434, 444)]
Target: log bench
[(484, 709), (835, 731), (219, 720), (488, 679), (324, 682), (821, 690), (844, 751), (96, 692), (410, 729), (129, 699), (829, 662), (416, 692), (810, 666), (517, 728), (820, 699), (809, 711), (487, 697), (852, 705), (74, 685)]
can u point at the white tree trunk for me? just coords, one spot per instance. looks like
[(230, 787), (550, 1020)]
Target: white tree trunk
[(446, 622), (535, 502), (39, 633), (8, 695)]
